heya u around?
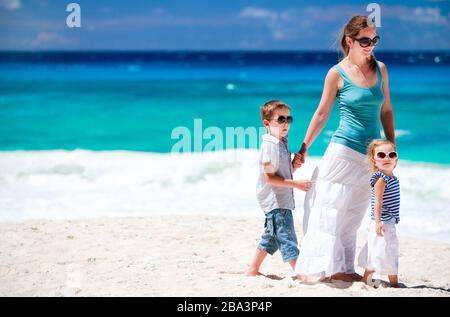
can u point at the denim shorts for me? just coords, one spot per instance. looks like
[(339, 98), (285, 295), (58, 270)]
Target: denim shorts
[(280, 234)]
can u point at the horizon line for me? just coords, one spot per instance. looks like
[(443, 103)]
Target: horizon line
[(209, 50)]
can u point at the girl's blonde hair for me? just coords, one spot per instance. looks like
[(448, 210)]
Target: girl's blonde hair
[(371, 151)]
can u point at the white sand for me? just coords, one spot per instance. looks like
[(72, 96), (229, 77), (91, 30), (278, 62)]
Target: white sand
[(179, 256)]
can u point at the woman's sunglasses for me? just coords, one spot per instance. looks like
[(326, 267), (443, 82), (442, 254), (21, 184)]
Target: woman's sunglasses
[(391, 155), (283, 119), (366, 41)]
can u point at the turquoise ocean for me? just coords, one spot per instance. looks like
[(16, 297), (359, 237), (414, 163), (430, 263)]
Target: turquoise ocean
[(90, 133)]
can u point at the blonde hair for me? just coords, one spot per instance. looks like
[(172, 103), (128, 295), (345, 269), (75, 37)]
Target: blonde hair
[(371, 151), (269, 107)]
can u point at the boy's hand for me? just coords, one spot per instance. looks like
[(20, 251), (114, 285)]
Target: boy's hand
[(379, 228), (304, 185)]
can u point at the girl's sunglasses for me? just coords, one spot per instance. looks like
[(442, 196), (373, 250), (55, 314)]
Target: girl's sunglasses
[(283, 119), (391, 155), (366, 41)]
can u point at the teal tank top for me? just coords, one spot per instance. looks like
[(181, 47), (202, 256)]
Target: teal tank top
[(359, 111)]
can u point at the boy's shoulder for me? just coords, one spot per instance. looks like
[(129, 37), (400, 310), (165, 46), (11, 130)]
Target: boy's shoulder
[(268, 138)]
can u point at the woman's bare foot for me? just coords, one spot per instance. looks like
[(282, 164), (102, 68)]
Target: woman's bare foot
[(310, 280), (342, 277), (356, 277)]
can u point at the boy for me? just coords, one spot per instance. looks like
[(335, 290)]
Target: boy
[(275, 187)]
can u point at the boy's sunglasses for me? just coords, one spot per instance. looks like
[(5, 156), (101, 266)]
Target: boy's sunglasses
[(382, 155), (366, 41), (283, 119)]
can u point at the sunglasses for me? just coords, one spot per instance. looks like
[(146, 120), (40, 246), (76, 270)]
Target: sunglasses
[(283, 119), (391, 155), (366, 41)]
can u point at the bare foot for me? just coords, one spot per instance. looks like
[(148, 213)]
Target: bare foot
[(310, 280), (342, 277), (355, 276), (393, 279), (325, 279), (370, 281), (253, 272)]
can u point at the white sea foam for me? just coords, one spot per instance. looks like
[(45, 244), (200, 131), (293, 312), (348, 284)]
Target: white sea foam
[(80, 184)]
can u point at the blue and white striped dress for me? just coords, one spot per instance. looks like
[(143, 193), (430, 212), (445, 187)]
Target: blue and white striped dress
[(390, 209)]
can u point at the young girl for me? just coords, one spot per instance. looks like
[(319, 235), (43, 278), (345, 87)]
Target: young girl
[(380, 254)]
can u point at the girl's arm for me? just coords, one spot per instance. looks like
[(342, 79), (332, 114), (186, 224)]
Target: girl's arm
[(387, 113), (321, 115), (379, 188)]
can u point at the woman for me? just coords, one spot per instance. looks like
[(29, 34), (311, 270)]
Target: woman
[(338, 200)]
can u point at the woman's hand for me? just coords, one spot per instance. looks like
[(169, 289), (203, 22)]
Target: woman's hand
[(379, 228), (299, 158)]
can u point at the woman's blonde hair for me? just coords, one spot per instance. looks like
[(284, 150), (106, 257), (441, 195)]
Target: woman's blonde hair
[(371, 151)]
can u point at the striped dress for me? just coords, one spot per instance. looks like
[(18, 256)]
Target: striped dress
[(390, 209)]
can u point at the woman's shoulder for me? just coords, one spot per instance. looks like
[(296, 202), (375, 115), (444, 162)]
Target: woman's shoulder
[(333, 70), (382, 66), (333, 74)]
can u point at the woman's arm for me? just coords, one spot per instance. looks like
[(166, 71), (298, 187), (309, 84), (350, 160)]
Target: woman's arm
[(321, 115), (323, 111), (379, 188), (387, 113)]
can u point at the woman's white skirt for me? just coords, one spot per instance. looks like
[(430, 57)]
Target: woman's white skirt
[(380, 254), (333, 210)]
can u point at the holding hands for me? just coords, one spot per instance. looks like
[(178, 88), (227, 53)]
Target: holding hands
[(297, 162), (299, 157)]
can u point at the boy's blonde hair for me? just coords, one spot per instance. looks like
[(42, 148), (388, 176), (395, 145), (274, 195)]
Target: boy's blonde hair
[(371, 151), (269, 107)]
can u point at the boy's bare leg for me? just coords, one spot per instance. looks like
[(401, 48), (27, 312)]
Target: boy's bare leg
[(292, 263), (393, 279), (259, 257)]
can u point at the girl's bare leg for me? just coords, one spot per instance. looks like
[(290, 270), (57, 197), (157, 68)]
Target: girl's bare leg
[(292, 263), (393, 279), (367, 275)]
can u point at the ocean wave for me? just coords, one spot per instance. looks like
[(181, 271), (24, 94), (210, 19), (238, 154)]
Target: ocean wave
[(83, 184)]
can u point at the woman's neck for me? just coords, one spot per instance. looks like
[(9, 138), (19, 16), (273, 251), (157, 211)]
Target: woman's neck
[(358, 60)]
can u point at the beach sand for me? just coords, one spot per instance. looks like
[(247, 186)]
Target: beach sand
[(180, 256)]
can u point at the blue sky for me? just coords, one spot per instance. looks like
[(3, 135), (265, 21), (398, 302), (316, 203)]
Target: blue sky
[(216, 25)]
